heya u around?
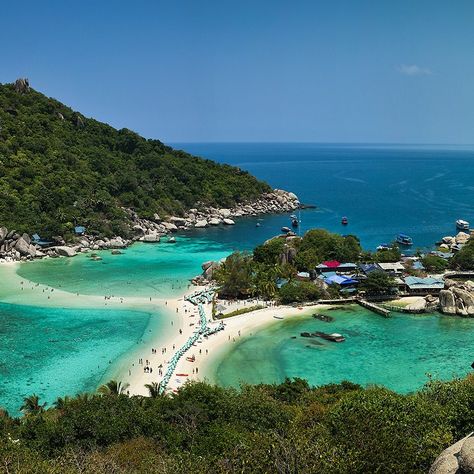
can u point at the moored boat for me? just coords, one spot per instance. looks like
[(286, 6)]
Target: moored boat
[(171, 240), (384, 247), (404, 239), (285, 229), (334, 337), (462, 224), (278, 317), (323, 317), (344, 221)]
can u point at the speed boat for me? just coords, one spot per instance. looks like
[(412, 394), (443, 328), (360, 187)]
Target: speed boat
[(344, 221)]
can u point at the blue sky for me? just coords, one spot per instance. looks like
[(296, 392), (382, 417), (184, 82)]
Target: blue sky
[(335, 71)]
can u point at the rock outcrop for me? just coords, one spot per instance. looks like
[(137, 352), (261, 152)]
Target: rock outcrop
[(457, 298), (64, 251), (22, 85), (14, 246), (457, 459)]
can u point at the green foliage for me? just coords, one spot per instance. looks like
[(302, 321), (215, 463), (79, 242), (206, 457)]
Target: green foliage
[(270, 252), (299, 291), (237, 312), (319, 245), (378, 283), (287, 427), (58, 168), (433, 263), (390, 255), (375, 426), (235, 276), (464, 259)]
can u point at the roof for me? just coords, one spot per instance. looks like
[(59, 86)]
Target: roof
[(445, 255), (428, 282), (417, 265), (303, 274), (391, 266), (369, 267), (336, 264), (339, 280)]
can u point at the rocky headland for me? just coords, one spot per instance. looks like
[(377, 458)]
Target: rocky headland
[(457, 298), (16, 246)]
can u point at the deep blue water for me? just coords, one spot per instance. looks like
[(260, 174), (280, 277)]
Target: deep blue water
[(383, 190)]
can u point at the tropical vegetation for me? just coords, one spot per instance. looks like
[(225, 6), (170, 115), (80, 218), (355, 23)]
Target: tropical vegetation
[(286, 428), (59, 168)]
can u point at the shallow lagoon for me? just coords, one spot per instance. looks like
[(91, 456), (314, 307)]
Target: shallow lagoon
[(397, 352), (55, 351)]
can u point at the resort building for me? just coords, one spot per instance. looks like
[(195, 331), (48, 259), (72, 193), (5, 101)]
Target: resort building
[(423, 286), (394, 269), (369, 268), (334, 265)]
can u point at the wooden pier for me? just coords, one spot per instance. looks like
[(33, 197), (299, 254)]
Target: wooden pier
[(373, 307)]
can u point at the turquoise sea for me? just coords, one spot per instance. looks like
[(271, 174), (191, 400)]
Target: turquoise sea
[(382, 190), (400, 352)]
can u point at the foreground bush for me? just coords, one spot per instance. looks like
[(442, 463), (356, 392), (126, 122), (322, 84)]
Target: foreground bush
[(290, 427)]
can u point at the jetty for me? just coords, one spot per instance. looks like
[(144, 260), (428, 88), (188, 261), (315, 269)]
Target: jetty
[(373, 307)]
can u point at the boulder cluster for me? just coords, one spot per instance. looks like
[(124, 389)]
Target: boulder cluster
[(457, 459), (16, 246), (150, 230), (449, 243), (457, 298)]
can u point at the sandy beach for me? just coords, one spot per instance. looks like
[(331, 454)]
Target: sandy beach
[(149, 360)]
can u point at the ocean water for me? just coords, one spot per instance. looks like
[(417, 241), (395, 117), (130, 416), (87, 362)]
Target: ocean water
[(383, 190), (57, 351), (156, 270), (400, 352)]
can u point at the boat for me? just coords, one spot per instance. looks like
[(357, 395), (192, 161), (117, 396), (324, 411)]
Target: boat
[(323, 317), (334, 337), (295, 222), (171, 240), (257, 224), (344, 221), (383, 247), (404, 239), (285, 229), (191, 359), (306, 334), (462, 225), (278, 317)]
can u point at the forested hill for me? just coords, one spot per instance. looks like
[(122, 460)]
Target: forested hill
[(58, 168)]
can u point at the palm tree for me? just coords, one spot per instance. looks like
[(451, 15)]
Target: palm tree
[(154, 389), (113, 388), (61, 402), (31, 405), (83, 397)]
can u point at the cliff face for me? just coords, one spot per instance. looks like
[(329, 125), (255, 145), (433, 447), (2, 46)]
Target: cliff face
[(457, 298)]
